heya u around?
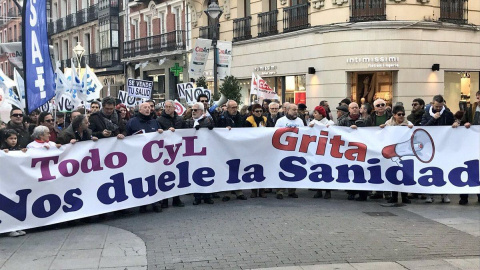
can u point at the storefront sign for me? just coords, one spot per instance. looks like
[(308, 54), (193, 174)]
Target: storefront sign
[(376, 62), (266, 70)]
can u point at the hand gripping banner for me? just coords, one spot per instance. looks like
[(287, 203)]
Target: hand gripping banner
[(43, 186), (37, 66)]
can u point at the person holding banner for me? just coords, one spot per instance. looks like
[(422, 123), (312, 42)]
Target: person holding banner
[(16, 123), (170, 120), (106, 122), (398, 119), (76, 132), (41, 136), (290, 120), (10, 143), (124, 113), (200, 120)]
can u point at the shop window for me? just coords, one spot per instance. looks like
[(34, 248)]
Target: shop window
[(460, 89), (295, 89), (366, 87)]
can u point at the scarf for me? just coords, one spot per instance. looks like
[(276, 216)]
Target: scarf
[(259, 121), (113, 117), (432, 113), (196, 123), (145, 118)]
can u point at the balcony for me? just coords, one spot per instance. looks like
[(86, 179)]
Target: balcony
[(155, 44), (107, 8), (454, 11), (368, 10), (295, 18), (267, 23), (242, 29), (105, 58), (207, 32), (73, 20), (13, 12)]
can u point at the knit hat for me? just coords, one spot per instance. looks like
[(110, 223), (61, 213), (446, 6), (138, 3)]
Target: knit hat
[(321, 111)]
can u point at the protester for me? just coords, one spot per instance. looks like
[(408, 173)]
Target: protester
[(144, 122), (46, 119), (106, 122), (418, 109), (187, 114), (3, 125), (10, 143), (303, 113), (345, 101), (378, 118), (438, 115), (290, 120), (398, 119), (170, 120), (158, 110), (342, 111), (244, 110), (41, 138), (32, 120), (16, 123), (200, 120), (214, 115), (366, 110), (273, 114), (123, 113), (355, 120), (326, 106), (266, 102), (152, 103), (60, 120), (320, 119), (94, 106), (76, 132)]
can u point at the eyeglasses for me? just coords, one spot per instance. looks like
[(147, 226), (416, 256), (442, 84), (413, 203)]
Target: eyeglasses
[(194, 110), (49, 120), (204, 101), (415, 104), (17, 115), (380, 105), (273, 108), (258, 111), (400, 114)]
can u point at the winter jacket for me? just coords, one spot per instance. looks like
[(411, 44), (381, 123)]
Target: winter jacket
[(445, 119), (250, 122), (98, 123), (205, 122), (360, 122), (23, 135), (142, 122), (416, 117), (68, 134), (373, 117), (166, 121), (227, 120)]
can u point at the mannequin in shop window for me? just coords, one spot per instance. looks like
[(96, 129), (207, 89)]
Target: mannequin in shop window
[(368, 89)]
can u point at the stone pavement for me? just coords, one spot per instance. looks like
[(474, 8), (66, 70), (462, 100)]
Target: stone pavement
[(301, 233)]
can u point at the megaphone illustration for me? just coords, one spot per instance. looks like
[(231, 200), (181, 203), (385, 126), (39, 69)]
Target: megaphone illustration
[(420, 145), (218, 103)]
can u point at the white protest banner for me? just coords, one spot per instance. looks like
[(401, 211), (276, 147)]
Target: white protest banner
[(91, 178), (254, 85), (179, 109), (224, 49), (127, 100), (139, 88), (91, 84), (199, 58), (14, 53), (264, 90), (190, 93), (20, 84)]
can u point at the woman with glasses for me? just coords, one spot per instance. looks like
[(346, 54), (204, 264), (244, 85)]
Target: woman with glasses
[(398, 119), (46, 119), (256, 119)]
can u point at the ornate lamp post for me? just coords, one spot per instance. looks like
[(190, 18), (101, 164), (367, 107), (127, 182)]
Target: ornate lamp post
[(79, 51), (214, 11)]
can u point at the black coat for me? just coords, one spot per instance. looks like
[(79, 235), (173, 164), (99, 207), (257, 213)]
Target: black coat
[(270, 121), (227, 120), (416, 117), (360, 122), (205, 122), (141, 122), (68, 134), (445, 119), (166, 121), (98, 124)]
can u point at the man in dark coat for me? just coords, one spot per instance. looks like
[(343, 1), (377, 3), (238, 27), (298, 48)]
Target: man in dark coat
[(106, 122), (170, 120), (354, 120), (76, 132), (144, 122), (418, 109), (273, 114), (16, 123)]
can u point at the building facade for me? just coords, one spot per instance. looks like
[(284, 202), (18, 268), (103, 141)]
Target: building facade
[(10, 31), (362, 49), (95, 25), (157, 37)]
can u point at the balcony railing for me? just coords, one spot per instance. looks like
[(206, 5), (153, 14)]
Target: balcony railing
[(207, 32), (108, 8), (242, 29), (367, 10), (295, 18), (105, 58), (155, 44), (73, 20), (267, 23), (13, 12), (454, 11)]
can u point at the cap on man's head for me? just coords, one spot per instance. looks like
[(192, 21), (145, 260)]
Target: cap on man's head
[(302, 106), (343, 108)]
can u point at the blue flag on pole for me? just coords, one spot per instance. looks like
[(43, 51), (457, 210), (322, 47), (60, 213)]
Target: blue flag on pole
[(39, 76)]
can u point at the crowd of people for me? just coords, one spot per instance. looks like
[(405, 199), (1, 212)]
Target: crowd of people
[(109, 119)]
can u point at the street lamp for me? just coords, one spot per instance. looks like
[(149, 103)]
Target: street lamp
[(79, 51), (214, 11)]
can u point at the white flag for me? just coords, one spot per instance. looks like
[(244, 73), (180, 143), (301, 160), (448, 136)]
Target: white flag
[(91, 85), (254, 85), (73, 90), (77, 85), (265, 91), (7, 85), (20, 84)]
